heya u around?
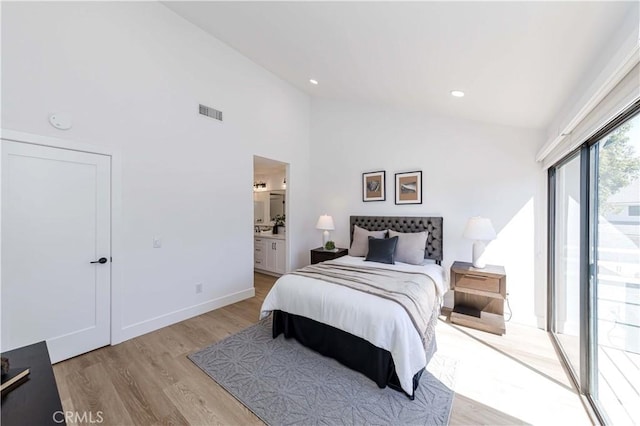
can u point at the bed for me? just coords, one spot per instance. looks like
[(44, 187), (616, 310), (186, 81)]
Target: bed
[(368, 333)]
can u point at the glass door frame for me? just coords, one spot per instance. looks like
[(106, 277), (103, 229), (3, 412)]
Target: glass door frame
[(585, 380), (578, 377)]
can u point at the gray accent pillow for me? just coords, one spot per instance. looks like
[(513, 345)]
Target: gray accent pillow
[(382, 250), (360, 243), (410, 247)]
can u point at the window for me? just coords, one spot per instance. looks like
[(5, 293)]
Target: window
[(566, 292), (594, 258)]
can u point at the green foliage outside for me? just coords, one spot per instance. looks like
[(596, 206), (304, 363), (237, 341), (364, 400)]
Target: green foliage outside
[(619, 166)]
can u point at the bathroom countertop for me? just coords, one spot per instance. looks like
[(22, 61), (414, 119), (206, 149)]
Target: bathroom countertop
[(269, 235)]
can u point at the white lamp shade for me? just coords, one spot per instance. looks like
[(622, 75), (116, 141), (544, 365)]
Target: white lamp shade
[(479, 228), (325, 222)]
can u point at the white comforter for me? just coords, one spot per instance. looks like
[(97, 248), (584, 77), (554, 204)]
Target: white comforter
[(382, 322)]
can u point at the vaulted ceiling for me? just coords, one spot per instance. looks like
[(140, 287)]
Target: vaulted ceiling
[(517, 62)]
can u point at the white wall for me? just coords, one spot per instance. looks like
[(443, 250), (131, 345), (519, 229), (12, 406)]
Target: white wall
[(123, 72), (132, 75), (607, 58), (468, 169)]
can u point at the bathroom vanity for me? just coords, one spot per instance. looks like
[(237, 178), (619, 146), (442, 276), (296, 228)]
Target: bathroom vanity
[(269, 255)]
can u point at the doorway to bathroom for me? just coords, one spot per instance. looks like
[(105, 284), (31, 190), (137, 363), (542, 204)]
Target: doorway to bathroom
[(270, 215)]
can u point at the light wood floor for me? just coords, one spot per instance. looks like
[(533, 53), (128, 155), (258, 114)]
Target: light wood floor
[(511, 379)]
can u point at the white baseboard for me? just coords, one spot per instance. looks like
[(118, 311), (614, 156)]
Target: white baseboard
[(152, 324)]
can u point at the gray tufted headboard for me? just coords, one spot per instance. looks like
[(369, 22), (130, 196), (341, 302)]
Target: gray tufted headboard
[(433, 249)]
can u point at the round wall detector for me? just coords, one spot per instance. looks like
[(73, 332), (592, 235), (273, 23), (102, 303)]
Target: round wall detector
[(60, 121)]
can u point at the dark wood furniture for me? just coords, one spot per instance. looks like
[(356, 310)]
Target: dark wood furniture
[(479, 292), (320, 255), (36, 401)]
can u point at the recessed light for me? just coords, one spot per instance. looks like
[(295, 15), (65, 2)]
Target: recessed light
[(457, 93), (312, 81)]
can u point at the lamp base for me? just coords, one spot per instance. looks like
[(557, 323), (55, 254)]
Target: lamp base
[(325, 238), (478, 250)]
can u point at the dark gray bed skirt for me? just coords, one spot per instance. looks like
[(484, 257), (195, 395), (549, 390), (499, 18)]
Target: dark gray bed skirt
[(354, 352)]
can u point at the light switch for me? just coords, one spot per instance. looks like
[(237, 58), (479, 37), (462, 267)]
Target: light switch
[(157, 242)]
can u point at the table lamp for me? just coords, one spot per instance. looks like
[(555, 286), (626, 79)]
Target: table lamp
[(325, 223), (480, 230)]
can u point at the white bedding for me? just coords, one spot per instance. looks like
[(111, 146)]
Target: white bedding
[(382, 322)]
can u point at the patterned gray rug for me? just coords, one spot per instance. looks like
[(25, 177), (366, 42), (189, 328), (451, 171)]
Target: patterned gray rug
[(283, 382)]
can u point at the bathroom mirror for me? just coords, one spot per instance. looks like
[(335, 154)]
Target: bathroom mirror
[(276, 204), (268, 204)]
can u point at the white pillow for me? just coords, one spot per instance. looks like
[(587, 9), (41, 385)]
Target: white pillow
[(360, 244), (410, 248)]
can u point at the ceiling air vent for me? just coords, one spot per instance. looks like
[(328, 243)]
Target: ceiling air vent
[(210, 112)]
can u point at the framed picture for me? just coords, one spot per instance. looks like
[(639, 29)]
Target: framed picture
[(409, 188), (373, 188)]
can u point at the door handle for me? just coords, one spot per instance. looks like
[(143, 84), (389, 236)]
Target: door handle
[(101, 260)]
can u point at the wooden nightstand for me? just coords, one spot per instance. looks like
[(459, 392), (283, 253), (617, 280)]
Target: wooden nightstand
[(479, 296), (320, 255)]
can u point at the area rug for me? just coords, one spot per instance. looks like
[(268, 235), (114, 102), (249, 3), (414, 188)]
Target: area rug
[(283, 382)]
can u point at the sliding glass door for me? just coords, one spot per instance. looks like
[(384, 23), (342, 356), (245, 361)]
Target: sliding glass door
[(594, 309), (566, 292), (615, 161)]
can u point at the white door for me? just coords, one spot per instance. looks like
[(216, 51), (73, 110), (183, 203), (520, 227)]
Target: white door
[(270, 255), (280, 266), (275, 257), (56, 221)]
